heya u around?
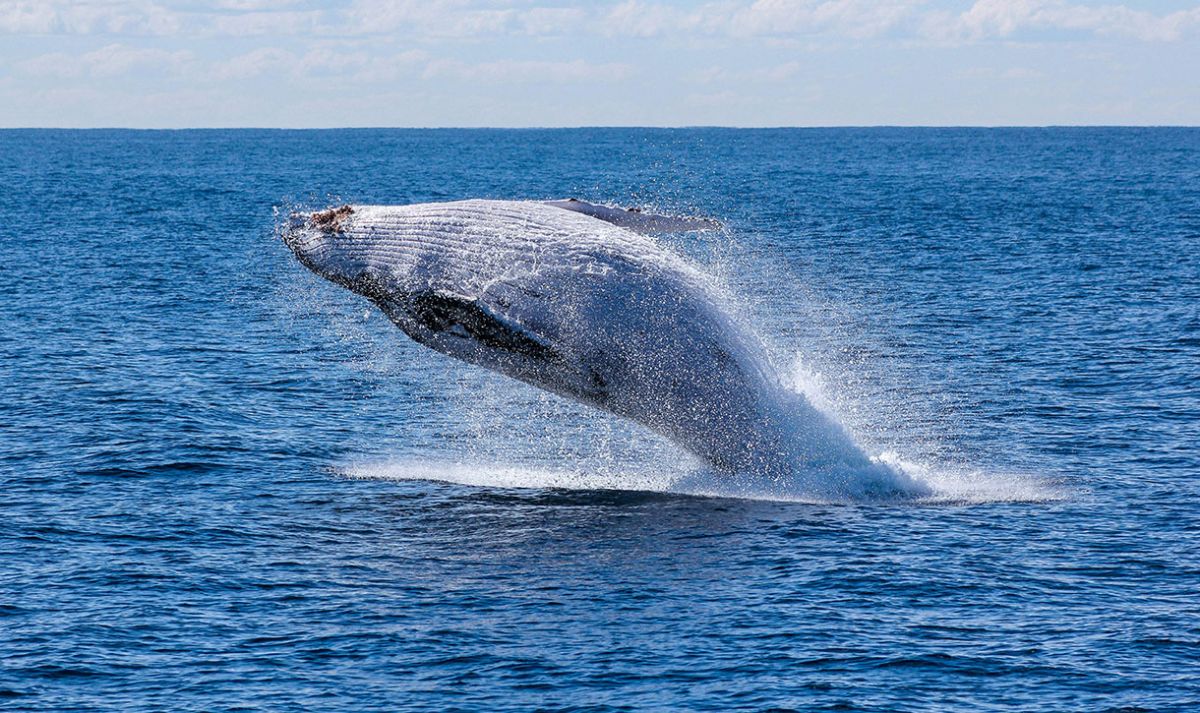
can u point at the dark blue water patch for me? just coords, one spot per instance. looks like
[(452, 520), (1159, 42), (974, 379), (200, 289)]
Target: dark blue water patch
[(1015, 310)]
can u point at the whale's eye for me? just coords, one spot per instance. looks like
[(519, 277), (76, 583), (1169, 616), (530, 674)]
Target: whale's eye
[(445, 313)]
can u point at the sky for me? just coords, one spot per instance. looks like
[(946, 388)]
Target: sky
[(463, 63)]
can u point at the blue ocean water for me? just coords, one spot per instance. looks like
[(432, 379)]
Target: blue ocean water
[(229, 485)]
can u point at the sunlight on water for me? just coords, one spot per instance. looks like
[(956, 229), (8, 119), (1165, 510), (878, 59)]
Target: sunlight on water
[(219, 469)]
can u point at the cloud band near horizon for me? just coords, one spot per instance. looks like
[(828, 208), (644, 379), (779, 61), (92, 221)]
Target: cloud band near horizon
[(472, 63)]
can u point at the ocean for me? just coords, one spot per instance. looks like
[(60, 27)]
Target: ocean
[(229, 485)]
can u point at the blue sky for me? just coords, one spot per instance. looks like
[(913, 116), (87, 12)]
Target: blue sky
[(302, 63)]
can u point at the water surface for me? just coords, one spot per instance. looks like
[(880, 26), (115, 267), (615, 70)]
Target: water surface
[(228, 484)]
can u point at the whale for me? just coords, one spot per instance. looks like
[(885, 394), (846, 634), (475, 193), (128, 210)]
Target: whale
[(582, 300)]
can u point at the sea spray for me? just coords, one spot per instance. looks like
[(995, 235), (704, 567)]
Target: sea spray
[(631, 327)]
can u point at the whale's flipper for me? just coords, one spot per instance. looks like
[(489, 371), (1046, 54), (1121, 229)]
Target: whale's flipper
[(442, 312), (635, 219)]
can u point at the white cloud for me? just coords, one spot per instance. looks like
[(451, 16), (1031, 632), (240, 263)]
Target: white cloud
[(1022, 74), (528, 71), (256, 63), (321, 62), (391, 67), (26, 17), (357, 66), (543, 21), (265, 23), (457, 18), (772, 74), (82, 17), (1005, 18), (851, 18), (120, 59), (433, 19), (864, 19), (109, 61), (1016, 74), (715, 99), (362, 66), (53, 64), (778, 73), (250, 5), (632, 18), (761, 18), (437, 18)]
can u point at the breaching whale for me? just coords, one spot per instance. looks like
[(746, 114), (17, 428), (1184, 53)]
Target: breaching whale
[(582, 301)]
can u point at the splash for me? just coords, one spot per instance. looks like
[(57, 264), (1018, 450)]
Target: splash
[(565, 447), (674, 357), (967, 485), (519, 438), (952, 486), (514, 476)]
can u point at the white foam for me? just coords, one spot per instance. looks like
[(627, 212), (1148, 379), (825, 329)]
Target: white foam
[(501, 475), (947, 486), (961, 484)]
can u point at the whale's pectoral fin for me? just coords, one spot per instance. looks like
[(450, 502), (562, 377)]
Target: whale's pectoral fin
[(636, 219), (446, 313)]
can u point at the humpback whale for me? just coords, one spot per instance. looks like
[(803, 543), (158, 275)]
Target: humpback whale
[(581, 300)]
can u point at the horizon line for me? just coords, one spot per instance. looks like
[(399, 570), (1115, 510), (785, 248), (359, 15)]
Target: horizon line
[(730, 127)]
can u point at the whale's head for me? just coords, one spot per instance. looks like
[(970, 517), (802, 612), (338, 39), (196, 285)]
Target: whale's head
[(451, 294), (321, 243)]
